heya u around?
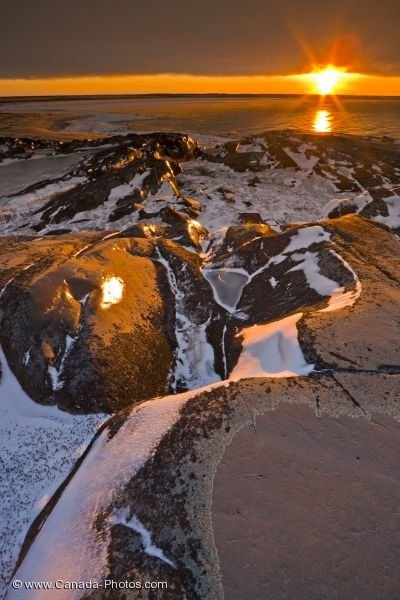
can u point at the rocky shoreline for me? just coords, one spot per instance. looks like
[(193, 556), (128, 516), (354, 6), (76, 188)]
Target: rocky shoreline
[(165, 286)]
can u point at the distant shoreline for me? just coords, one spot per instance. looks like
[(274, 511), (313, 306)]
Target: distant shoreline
[(60, 98)]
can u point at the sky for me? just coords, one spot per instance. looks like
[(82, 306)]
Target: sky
[(120, 46)]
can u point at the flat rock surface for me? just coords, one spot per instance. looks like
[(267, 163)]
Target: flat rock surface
[(306, 507)]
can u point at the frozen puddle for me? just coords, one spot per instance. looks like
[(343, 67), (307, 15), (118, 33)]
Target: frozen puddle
[(227, 285), (18, 175), (271, 350)]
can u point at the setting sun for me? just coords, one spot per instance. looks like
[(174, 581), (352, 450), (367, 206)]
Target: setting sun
[(326, 80)]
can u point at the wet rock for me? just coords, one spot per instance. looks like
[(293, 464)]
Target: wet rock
[(127, 171), (89, 321), (148, 172), (60, 231), (344, 208), (188, 233), (125, 207)]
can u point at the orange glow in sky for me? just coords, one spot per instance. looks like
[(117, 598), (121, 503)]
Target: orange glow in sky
[(318, 82), (327, 80), (331, 80)]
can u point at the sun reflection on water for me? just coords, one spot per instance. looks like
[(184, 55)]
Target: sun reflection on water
[(112, 290), (322, 122)]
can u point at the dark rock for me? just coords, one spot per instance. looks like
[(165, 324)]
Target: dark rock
[(250, 218), (172, 216), (254, 181), (344, 208), (143, 230), (88, 322), (188, 233), (226, 194), (193, 205)]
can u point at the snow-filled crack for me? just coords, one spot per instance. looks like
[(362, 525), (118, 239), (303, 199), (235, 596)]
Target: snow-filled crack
[(194, 355), (121, 518)]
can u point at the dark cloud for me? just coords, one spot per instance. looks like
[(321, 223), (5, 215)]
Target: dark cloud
[(77, 37)]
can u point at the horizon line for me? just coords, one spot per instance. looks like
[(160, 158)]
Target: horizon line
[(21, 97)]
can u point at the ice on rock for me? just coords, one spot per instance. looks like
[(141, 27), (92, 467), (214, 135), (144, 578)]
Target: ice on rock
[(227, 285)]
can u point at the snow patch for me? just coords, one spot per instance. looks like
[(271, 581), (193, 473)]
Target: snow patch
[(271, 197), (392, 220), (308, 263), (39, 445), (307, 236), (55, 374), (121, 191), (68, 546), (302, 161), (324, 286), (273, 282), (271, 350), (27, 357), (341, 299)]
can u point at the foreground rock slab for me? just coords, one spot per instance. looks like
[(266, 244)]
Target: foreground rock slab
[(170, 495), (305, 507)]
